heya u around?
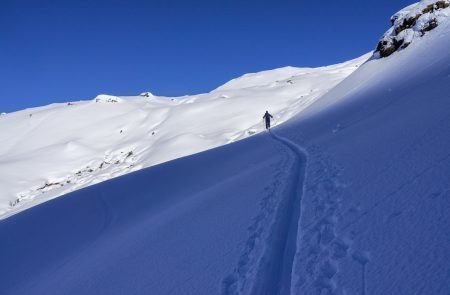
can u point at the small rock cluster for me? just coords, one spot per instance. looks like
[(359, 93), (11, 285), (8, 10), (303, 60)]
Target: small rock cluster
[(146, 94), (117, 163), (107, 98)]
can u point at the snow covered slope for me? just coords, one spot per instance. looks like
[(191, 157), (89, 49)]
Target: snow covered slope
[(52, 150), (352, 196), (376, 210), (349, 197)]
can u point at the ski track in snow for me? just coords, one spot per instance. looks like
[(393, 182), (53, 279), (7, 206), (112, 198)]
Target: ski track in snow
[(320, 246), (265, 266)]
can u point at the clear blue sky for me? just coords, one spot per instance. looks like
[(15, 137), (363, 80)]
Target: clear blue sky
[(55, 51)]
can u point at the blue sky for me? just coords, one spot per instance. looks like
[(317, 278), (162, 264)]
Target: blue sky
[(56, 51)]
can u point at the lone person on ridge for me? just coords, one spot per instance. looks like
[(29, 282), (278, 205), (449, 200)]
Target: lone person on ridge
[(267, 117)]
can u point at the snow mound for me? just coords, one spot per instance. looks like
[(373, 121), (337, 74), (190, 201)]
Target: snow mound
[(107, 98), (412, 23), (263, 78)]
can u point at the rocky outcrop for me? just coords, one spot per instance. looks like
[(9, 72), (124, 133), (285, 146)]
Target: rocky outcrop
[(412, 23), (107, 98), (146, 94)]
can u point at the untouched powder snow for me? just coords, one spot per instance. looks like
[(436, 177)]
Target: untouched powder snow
[(50, 151), (351, 196)]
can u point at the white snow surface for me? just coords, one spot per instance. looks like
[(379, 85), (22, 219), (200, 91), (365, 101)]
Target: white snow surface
[(375, 214), (350, 196), (52, 150)]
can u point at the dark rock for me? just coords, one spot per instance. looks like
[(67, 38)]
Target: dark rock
[(393, 19), (429, 26), (441, 4), (407, 23), (386, 48), (429, 8), (407, 19), (406, 44)]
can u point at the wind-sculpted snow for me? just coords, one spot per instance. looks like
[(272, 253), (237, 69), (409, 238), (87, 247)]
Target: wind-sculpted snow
[(50, 151)]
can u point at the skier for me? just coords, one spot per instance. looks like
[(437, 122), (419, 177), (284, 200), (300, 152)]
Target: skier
[(267, 117)]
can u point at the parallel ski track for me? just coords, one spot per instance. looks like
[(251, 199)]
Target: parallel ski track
[(275, 272), (289, 230), (271, 272)]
